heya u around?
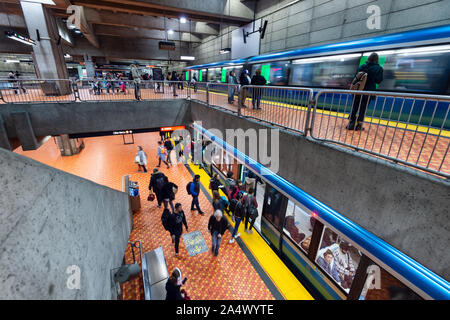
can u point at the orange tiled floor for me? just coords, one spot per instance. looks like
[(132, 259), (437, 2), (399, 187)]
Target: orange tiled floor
[(105, 160)]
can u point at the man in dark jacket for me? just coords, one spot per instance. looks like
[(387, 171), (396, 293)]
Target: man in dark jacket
[(195, 192), (157, 183), (244, 80), (169, 147), (168, 194), (217, 225), (239, 214), (360, 102), (257, 80), (176, 221)]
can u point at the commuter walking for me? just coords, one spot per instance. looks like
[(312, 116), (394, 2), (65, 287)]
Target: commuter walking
[(193, 188), (137, 80), (238, 214), (176, 221), (169, 147), (251, 210), (257, 80), (173, 286), (141, 159), (157, 183), (161, 154), (194, 82), (168, 194), (232, 81), (214, 183), (373, 73), (217, 225), (244, 80)]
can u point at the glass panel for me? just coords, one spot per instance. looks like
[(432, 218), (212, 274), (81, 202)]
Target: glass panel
[(380, 285), (214, 74), (279, 73), (298, 225), (338, 258), (273, 209), (334, 72)]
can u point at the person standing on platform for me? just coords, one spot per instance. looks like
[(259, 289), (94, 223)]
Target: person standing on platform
[(218, 202), (137, 80), (217, 225), (360, 102), (238, 214), (157, 183), (176, 221), (251, 210), (214, 183), (161, 155), (257, 80), (174, 84), (232, 82), (169, 147), (141, 159), (244, 80), (194, 82), (194, 191)]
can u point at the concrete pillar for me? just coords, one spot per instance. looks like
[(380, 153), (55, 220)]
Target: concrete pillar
[(69, 147), (47, 53), (90, 66)]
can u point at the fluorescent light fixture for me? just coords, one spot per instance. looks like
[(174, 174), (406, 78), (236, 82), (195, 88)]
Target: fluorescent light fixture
[(187, 58), (413, 51), (15, 36), (41, 1), (77, 31), (183, 20), (170, 31), (67, 55), (12, 61), (224, 50), (71, 26)]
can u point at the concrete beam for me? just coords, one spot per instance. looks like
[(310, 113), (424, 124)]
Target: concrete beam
[(206, 11), (12, 20), (86, 28), (143, 33)]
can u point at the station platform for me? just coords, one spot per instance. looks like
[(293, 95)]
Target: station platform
[(247, 269)]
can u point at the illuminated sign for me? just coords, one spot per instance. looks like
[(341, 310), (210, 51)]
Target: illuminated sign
[(165, 129), (123, 132)]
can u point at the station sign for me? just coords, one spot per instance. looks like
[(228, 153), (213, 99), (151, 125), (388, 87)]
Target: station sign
[(166, 129)]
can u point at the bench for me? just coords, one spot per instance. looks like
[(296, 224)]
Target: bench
[(154, 274)]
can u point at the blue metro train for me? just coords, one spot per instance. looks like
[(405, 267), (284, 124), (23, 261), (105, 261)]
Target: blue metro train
[(414, 62), (309, 237)]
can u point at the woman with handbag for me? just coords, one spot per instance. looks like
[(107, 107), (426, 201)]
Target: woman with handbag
[(141, 159)]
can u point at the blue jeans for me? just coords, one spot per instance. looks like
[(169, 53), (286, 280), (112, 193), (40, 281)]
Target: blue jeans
[(215, 243), (236, 225)]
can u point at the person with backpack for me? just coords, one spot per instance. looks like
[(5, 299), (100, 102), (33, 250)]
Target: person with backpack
[(219, 203), (161, 155), (233, 191), (244, 80), (214, 183), (251, 210), (176, 221), (238, 214), (217, 225), (169, 147), (367, 77), (193, 189), (157, 183), (257, 80)]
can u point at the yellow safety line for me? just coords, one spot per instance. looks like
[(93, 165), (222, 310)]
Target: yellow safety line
[(400, 125), (281, 276)]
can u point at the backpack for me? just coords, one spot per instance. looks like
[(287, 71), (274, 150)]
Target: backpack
[(160, 183), (188, 188), (250, 206), (165, 219), (232, 205), (359, 82)]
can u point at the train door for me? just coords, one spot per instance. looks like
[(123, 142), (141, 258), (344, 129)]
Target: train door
[(272, 220)]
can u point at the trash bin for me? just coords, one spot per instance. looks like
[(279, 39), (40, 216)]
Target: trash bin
[(135, 198)]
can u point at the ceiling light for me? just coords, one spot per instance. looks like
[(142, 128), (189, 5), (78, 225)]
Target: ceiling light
[(187, 58), (77, 31), (170, 31), (224, 50), (67, 55), (15, 36), (42, 1), (183, 20), (12, 61)]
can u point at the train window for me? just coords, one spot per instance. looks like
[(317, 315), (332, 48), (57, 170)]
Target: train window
[(417, 69), (380, 285), (274, 206), (338, 258), (334, 71), (279, 73), (298, 225), (214, 75)]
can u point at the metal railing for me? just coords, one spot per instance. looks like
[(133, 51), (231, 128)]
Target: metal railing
[(36, 90), (412, 129)]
